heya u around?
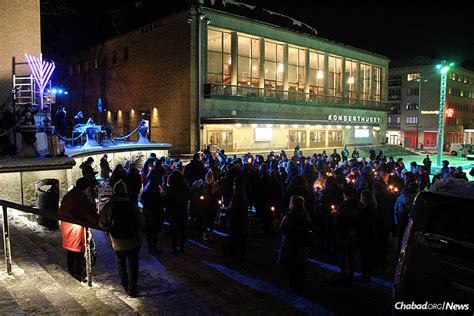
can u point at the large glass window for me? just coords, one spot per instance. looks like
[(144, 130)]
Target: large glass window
[(274, 65), (316, 72), (366, 78), (247, 66), (378, 84), (335, 76), (296, 68), (218, 57), (351, 78)]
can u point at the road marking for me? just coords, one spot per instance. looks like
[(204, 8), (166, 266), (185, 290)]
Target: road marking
[(262, 286), (198, 244), (374, 280)]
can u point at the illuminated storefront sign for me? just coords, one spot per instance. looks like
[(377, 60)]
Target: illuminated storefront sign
[(353, 118), (430, 112)]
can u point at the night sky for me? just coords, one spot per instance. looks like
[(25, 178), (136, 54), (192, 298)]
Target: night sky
[(394, 29)]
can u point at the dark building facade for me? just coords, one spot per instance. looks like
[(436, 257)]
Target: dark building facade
[(414, 102), (233, 82)]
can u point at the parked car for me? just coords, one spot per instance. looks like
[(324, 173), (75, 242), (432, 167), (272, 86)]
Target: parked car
[(436, 261), (465, 149)]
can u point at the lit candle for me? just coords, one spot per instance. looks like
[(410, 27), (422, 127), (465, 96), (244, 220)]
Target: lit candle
[(333, 209), (395, 189), (390, 187), (201, 197), (249, 160), (219, 202), (272, 208)]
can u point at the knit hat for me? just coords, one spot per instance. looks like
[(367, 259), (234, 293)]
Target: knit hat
[(83, 183), (120, 188)]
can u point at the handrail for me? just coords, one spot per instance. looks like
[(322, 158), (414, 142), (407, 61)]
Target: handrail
[(37, 211), (227, 90), (28, 209)]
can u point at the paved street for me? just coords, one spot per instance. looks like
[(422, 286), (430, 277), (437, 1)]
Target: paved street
[(202, 281)]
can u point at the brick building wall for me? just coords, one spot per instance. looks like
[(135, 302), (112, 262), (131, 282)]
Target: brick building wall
[(156, 77), (20, 34)]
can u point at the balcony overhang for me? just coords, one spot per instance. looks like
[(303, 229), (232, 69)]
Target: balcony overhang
[(251, 120)]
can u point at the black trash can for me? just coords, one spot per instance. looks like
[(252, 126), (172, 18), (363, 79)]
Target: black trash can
[(47, 199)]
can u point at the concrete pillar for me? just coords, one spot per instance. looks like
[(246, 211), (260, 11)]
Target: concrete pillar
[(326, 74), (372, 82), (359, 81), (285, 66), (234, 45), (344, 79), (261, 63), (306, 71), (326, 138)]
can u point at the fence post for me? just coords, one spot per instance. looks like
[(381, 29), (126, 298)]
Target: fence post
[(6, 241), (88, 259)]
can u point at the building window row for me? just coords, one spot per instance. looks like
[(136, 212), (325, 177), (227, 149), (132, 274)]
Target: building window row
[(461, 93), (269, 64), (413, 77), (393, 119), (84, 66), (413, 91), (411, 119), (411, 106), (394, 94), (462, 107), (457, 77)]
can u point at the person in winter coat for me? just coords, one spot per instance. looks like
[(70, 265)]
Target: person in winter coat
[(105, 170), (383, 222), (176, 202), (345, 153), (152, 201), (76, 204), (295, 228), (195, 170), (212, 202), (87, 170), (123, 221), (365, 232), (118, 174), (147, 167), (355, 154), (237, 221), (402, 209), (263, 199), (134, 182), (346, 220)]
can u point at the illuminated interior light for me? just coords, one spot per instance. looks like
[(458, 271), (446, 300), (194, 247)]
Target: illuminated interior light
[(280, 68)]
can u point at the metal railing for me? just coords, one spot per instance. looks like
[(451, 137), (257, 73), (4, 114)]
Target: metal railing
[(220, 91), (27, 209)]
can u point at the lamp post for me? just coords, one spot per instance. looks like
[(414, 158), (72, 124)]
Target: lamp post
[(443, 69)]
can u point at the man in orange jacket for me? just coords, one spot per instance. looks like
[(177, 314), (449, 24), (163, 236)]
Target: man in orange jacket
[(75, 204)]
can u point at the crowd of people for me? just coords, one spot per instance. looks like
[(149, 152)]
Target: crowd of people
[(344, 205)]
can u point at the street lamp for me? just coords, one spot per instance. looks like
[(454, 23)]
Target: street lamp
[(443, 69)]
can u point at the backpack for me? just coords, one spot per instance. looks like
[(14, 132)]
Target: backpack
[(123, 223)]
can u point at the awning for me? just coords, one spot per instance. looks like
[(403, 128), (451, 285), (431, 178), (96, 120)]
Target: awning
[(235, 120)]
